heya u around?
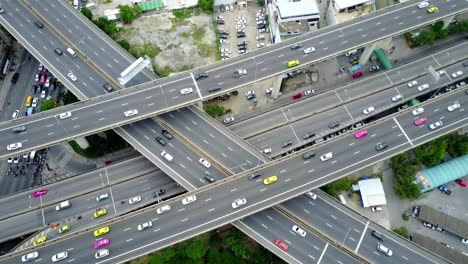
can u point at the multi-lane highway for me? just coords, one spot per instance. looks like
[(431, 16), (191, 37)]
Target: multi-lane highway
[(328, 42), (295, 177)]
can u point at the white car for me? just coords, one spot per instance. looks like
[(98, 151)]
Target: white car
[(413, 83), (145, 226), (423, 4), (72, 76), (269, 90), (10, 160), (239, 202), (164, 209), (226, 50), (309, 50), (34, 102), (326, 156), (309, 92), (47, 82), (368, 110), (228, 120), (384, 250), (435, 125), (41, 67), (204, 162), (43, 94), (186, 91), (14, 146), (423, 87), (464, 241), (457, 73), (102, 197), (298, 231), (65, 115), (240, 18), (102, 253), (135, 199), (453, 107), (130, 113), (249, 93), (240, 26), (241, 22), (266, 150), (260, 44), (311, 195), (36, 77), (224, 41), (189, 200), (397, 97), (60, 256), (418, 111), (15, 114), (376, 209), (30, 256)]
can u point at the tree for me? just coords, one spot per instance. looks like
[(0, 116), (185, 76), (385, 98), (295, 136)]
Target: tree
[(341, 185), (402, 231), (137, 10), (126, 14), (48, 104), (235, 241), (194, 250), (124, 44), (214, 256), (109, 27), (261, 3), (87, 13), (206, 6), (428, 37), (214, 110)]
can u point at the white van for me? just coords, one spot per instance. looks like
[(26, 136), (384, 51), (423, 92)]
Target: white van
[(351, 52), (91, 5), (63, 205), (32, 155), (167, 156), (71, 52), (342, 199)]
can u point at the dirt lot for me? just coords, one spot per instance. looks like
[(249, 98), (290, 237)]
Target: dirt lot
[(180, 44)]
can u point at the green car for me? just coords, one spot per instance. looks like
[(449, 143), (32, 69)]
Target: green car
[(64, 229)]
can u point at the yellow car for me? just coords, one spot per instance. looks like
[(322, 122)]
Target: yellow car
[(100, 213), (270, 180), (101, 231), (432, 9), (40, 240), (293, 63)]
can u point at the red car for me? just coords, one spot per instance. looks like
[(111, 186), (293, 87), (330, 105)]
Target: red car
[(39, 193), (360, 134), (357, 75), (420, 121), (297, 96), (101, 243), (281, 245), (461, 182)]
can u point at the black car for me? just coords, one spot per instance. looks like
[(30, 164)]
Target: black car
[(38, 24), (377, 235), (286, 144), (159, 193), (220, 22), (381, 146), (223, 33), (241, 35), (296, 46), (223, 36), (34, 89), (332, 125), (108, 88), (214, 89), (254, 175), (161, 141), (58, 51), (308, 135), (465, 64), (260, 26), (167, 134), (201, 76), (15, 77), (242, 44), (209, 178), (308, 155)]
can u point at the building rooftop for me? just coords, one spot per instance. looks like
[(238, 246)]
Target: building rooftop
[(294, 8), (449, 223), (372, 192), (443, 173), (342, 4)]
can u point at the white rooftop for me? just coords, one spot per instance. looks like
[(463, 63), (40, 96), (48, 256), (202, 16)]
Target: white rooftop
[(289, 8), (372, 192), (342, 4)]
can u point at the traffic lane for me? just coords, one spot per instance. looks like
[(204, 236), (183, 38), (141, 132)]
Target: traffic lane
[(257, 124), (21, 225), (361, 87), (380, 101), (320, 103)]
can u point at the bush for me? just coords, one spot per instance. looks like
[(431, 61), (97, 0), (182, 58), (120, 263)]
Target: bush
[(87, 13), (100, 146), (206, 5), (402, 231), (182, 14), (261, 3), (214, 110), (48, 104), (405, 216), (338, 186)]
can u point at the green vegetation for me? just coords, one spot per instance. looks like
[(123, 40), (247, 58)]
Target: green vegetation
[(261, 3), (164, 72), (338, 186), (148, 49), (209, 248), (48, 104), (404, 172), (183, 14), (100, 146), (436, 32), (87, 13), (218, 44), (405, 216), (107, 1), (214, 110), (67, 98), (402, 231), (128, 13), (206, 6), (109, 27)]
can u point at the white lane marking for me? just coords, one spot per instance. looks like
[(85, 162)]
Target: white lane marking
[(128, 228), (183, 220), (233, 190), (128, 240), (212, 209), (282, 171), (266, 227), (264, 189), (156, 230), (362, 236), (207, 200), (311, 170), (287, 180), (398, 124)]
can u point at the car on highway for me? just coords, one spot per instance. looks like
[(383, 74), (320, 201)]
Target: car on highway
[(167, 134), (39, 193), (102, 197), (15, 146), (15, 114), (333, 125), (361, 134), (201, 76), (266, 150), (308, 135), (209, 178), (101, 243), (64, 229), (60, 256), (326, 156), (436, 125), (461, 182), (293, 63), (65, 115), (40, 240), (384, 250), (270, 180), (281, 245), (432, 9), (420, 121), (423, 87), (377, 235), (311, 195), (309, 92), (161, 141), (30, 256), (297, 96), (228, 120), (298, 230), (189, 199), (296, 46), (163, 209), (308, 155), (376, 208), (453, 107), (101, 231), (71, 76), (254, 175), (397, 97), (423, 4), (457, 73), (204, 162), (309, 50), (144, 226), (368, 110), (412, 83), (159, 193), (100, 212), (135, 199), (238, 203), (418, 111), (357, 75), (131, 112), (286, 144), (102, 253), (186, 91), (381, 146)]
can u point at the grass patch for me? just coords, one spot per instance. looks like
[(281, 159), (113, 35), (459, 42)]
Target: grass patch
[(100, 146), (205, 49), (198, 34), (148, 49), (184, 35), (163, 72), (183, 14), (177, 23)]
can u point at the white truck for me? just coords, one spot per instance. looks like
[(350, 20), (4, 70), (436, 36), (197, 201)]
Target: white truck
[(63, 205)]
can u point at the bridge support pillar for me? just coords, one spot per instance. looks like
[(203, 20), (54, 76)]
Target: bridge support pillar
[(200, 106), (82, 142), (447, 21), (276, 86), (366, 54)]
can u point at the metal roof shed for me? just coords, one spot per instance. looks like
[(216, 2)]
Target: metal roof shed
[(372, 192), (445, 221), (443, 173)]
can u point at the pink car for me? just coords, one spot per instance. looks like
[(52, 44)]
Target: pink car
[(360, 134), (101, 243), (420, 121), (39, 193), (43, 78)]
